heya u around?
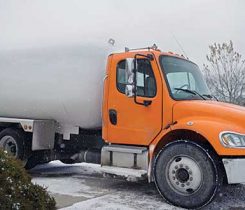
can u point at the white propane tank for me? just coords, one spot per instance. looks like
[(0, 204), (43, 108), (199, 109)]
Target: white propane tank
[(62, 83)]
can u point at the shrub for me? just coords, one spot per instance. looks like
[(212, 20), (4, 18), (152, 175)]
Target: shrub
[(17, 192)]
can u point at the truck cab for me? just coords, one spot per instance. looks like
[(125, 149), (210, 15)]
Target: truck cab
[(160, 102)]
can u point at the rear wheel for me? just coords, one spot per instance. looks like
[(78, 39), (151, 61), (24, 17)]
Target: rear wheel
[(12, 142), (186, 175), (68, 161)]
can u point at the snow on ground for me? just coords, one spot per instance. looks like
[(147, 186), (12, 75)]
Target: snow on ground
[(70, 186), (83, 186)]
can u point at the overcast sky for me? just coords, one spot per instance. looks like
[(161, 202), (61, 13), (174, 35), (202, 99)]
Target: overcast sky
[(139, 23)]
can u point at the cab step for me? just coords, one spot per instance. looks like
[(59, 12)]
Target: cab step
[(129, 174), (124, 156)]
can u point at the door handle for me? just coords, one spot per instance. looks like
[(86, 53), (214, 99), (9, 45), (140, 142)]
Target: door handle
[(147, 102), (113, 116)]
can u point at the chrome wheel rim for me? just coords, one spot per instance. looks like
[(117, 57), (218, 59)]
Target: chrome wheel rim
[(9, 145), (184, 175)]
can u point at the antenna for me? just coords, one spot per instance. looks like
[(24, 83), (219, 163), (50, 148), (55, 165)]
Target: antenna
[(180, 46)]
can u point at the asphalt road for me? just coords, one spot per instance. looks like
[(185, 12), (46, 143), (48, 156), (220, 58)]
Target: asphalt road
[(83, 186)]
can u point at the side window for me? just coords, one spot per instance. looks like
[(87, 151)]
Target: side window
[(146, 83)]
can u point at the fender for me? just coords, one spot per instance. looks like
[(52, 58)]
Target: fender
[(207, 128)]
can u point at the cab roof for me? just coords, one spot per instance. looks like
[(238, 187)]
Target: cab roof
[(157, 52)]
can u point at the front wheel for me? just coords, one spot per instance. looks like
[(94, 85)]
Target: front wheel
[(186, 175)]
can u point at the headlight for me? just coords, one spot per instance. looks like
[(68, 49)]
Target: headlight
[(230, 139)]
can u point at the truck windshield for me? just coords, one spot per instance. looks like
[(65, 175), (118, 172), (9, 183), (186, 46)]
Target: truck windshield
[(184, 79)]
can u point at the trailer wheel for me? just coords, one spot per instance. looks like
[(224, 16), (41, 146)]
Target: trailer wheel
[(12, 141), (186, 175), (32, 161), (67, 161)]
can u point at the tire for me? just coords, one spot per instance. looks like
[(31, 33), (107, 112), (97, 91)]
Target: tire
[(186, 175), (37, 157), (12, 141), (31, 162), (67, 161)]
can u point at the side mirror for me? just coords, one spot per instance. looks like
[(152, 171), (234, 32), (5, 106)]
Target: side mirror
[(130, 87), (129, 91)]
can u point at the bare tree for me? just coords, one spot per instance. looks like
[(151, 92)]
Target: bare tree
[(225, 73)]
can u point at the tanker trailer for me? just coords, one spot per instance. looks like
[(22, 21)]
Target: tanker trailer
[(48, 95)]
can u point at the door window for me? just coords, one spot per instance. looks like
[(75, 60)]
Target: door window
[(146, 83)]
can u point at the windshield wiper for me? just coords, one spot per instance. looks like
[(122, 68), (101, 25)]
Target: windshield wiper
[(210, 96), (192, 92)]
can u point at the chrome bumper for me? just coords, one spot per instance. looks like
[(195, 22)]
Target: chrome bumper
[(235, 170)]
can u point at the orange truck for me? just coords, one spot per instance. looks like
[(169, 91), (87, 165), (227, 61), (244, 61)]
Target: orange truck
[(159, 120)]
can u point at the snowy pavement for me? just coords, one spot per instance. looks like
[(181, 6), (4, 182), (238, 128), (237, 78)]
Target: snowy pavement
[(83, 186)]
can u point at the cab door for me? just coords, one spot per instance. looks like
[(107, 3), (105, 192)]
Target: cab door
[(130, 122)]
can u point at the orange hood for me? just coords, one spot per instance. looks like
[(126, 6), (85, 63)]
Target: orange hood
[(226, 113)]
